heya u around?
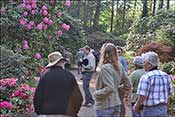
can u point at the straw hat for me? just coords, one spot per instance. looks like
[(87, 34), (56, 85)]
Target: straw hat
[(54, 58)]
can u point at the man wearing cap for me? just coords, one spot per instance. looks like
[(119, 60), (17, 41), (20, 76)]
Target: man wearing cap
[(87, 72), (153, 89), (57, 92), (135, 77)]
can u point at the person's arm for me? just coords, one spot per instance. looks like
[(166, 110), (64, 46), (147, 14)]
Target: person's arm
[(125, 81), (38, 96), (133, 81), (139, 102), (106, 78), (142, 91), (76, 100)]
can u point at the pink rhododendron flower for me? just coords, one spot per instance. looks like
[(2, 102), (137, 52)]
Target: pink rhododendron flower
[(34, 5), (22, 21), (67, 3), (59, 33), (40, 12), (45, 20), (33, 12), (28, 26), (28, 7), (52, 2), (31, 23), (25, 13), (26, 1), (21, 5), (37, 56), (45, 12), (39, 26), (59, 14), (50, 22), (17, 92), (65, 27), (44, 7), (25, 42), (172, 77), (25, 46), (45, 27), (5, 104)]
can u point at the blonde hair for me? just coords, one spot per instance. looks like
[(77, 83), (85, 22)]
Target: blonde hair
[(108, 54)]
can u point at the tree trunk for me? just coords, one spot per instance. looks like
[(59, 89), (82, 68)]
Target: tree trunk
[(151, 7), (97, 14), (123, 18), (154, 7), (135, 5), (145, 9), (161, 4), (112, 16), (78, 9), (168, 4), (85, 16)]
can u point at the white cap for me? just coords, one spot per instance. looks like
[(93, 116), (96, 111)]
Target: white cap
[(152, 58)]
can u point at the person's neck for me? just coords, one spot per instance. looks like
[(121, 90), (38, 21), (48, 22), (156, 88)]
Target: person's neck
[(153, 68)]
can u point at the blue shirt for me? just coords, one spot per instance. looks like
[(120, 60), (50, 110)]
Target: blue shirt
[(124, 63), (156, 85)]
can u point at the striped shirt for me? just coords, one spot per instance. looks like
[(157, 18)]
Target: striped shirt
[(156, 85)]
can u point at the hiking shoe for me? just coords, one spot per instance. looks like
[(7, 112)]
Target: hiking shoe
[(88, 105)]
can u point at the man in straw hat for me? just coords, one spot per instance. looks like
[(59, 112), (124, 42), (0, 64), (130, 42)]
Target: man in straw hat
[(57, 92)]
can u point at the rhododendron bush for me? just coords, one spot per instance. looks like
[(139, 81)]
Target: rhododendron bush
[(16, 97), (35, 28)]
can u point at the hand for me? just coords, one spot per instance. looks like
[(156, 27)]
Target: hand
[(136, 108)]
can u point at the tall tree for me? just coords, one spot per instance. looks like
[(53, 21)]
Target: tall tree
[(168, 4), (124, 10), (145, 9), (154, 7), (85, 15), (97, 14), (135, 5), (112, 16), (161, 4), (78, 9)]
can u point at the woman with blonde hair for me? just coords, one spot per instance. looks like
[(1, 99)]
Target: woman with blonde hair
[(110, 77)]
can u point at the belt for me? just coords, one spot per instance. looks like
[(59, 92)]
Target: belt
[(160, 104)]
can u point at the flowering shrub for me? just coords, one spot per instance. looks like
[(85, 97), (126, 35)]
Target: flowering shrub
[(36, 28), (16, 97)]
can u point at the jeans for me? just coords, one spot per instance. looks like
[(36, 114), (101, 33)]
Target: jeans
[(86, 80), (155, 111), (110, 112)]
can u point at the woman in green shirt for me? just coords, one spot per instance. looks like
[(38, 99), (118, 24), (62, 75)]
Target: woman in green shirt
[(135, 77)]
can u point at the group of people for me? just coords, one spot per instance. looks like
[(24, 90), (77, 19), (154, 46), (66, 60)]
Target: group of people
[(58, 93)]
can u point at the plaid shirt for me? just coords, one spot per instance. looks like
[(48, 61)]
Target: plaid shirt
[(156, 85)]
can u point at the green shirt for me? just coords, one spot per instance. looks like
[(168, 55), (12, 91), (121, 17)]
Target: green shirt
[(135, 77)]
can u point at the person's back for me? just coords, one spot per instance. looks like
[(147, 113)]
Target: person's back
[(68, 56), (79, 55), (123, 62), (57, 93)]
